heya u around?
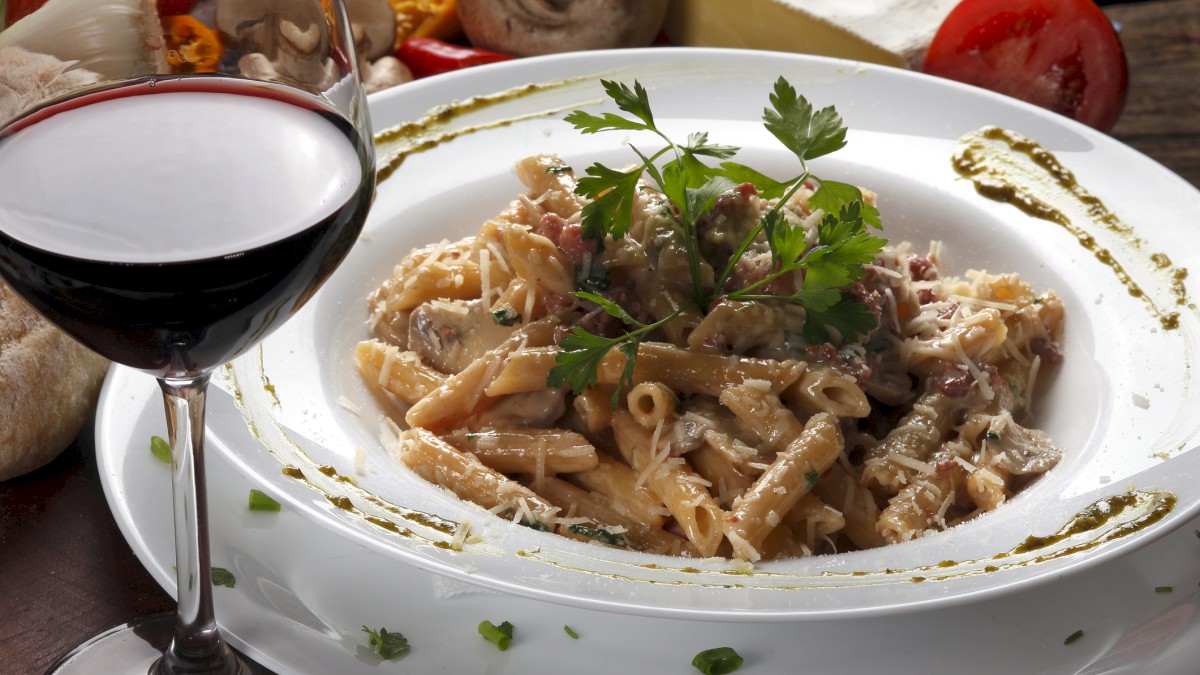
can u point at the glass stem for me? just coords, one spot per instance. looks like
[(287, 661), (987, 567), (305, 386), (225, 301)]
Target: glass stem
[(197, 646)]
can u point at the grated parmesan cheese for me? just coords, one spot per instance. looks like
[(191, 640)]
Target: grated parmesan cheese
[(912, 463), (348, 404)]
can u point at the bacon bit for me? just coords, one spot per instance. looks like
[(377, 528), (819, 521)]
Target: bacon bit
[(192, 47), (945, 465), (949, 311), (921, 268), (572, 243), (556, 303), (550, 226), (1047, 349)]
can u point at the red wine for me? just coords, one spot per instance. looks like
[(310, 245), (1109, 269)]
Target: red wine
[(170, 224)]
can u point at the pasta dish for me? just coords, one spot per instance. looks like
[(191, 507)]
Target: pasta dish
[(575, 384)]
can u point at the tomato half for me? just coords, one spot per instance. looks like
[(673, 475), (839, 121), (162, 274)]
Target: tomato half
[(1063, 55), (17, 9), (175, 7)]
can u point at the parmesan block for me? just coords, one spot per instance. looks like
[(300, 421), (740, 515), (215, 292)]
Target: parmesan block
[(887, 32)]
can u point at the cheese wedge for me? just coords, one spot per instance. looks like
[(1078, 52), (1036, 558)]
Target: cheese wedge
[(888, 32)]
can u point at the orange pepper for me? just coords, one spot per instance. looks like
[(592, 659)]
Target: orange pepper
[(192, 47), (426, 19)]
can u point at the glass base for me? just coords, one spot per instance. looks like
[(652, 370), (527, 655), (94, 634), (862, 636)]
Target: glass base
[(132, 649)]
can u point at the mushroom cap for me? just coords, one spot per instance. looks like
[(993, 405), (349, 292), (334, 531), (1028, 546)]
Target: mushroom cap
[(376, 22), (531, 27), (246, 20)]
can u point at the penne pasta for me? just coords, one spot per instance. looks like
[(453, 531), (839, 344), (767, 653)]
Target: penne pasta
[(762, 417)]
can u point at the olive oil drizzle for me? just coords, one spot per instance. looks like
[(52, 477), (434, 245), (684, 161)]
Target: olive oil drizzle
[(1008, 167)]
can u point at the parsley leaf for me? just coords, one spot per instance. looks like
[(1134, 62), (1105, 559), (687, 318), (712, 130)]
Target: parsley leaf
[(634, 101), (768, 188), (849, 317), (609, 306), (612, 194), (387, 644), (831, 196), (579, 359), (697, 144), (807, 133)]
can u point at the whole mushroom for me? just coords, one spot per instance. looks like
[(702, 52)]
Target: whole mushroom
[(531, 27), (290, 38)]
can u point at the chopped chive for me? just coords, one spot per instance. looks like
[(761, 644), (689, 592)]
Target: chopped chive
[(811, 478), (717, 661), (501, 635), (992, 436), (223, 577), (571, 632), (261, 501), (1163, 589), (1073, 637), (160, 449)]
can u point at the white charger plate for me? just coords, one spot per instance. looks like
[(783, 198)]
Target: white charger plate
[(1120, 406), (304, 591)]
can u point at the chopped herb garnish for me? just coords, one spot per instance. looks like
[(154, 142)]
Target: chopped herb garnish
[(823, 269), (223, 577), (387, 644), (505, 317), (592, 278), (811, 478), (1073, 637), (1163, 589), (992, 436), (570, 631), (160, 449), (597, 533), (536, 525), (558, 169), (717, 661), (501, 635), (261, 501)]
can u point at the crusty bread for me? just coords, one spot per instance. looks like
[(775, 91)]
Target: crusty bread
[(49, 385)]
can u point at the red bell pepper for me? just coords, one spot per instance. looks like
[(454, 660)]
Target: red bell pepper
[(427, 56)]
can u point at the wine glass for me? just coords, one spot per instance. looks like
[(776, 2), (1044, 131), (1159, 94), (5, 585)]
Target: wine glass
[(177, 204)]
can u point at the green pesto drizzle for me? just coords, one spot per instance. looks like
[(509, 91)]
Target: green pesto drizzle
[(409, 138), (1088, 529), (1028, 177)]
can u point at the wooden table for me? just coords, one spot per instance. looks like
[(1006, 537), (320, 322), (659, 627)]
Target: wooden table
[(66, 572)]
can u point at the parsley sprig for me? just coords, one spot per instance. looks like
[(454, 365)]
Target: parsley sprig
[(691, 186)]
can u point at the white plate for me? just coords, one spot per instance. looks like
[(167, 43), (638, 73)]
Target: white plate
[(1120, 405), (303, 592)]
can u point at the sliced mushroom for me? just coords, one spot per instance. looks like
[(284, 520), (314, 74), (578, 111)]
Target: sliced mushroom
[(531, 409), (1020, 450), (449, 335), (529, 27)]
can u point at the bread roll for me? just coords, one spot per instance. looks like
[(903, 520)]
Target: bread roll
[(49, 385)]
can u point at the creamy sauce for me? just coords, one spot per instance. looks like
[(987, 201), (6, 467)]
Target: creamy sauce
[(1008, 167)]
